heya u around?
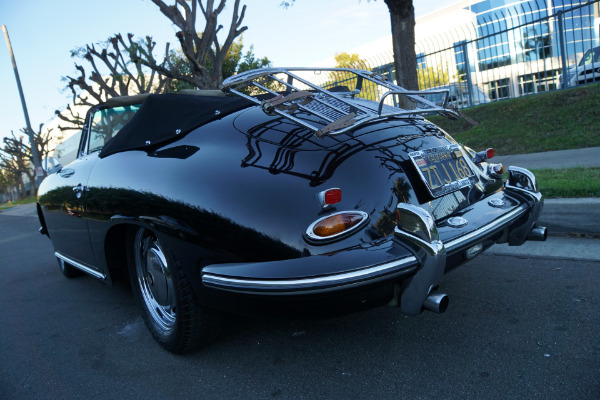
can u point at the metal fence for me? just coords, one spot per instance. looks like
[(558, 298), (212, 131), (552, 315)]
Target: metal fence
[(519, 50)]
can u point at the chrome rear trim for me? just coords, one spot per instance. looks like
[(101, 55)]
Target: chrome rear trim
[(492, 227), (366, 275), (80, 266), (316, 283)]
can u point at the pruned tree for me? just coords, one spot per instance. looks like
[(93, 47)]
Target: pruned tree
[(7, 181), (201, 47), (13, 168), (10, 178), (16, 155), (116, 70), (236, 61)]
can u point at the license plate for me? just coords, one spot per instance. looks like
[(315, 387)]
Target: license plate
[(443, 169)]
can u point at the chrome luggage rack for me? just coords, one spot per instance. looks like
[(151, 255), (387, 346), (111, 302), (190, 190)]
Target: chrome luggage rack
[(286, 92)]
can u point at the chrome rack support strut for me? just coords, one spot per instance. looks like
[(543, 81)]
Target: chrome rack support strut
[(339, 112)]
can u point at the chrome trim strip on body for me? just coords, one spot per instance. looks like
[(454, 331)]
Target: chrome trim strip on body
[(316, 283), (329, 281), (80, 266), (488, 228)]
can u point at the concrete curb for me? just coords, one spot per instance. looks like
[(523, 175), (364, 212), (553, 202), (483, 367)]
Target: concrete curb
[(586, 157), (571, 216), (555, 247)]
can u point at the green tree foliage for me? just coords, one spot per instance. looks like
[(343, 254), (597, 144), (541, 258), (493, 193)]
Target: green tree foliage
[(431, 77), (349, 80), (236, 61), (402, 20)]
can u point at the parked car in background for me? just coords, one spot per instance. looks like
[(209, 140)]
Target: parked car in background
[(586, 71), (277, 197)]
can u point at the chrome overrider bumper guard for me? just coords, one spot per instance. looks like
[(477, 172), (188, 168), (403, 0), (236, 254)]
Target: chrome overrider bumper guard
[(522, 182), (416, 229), (418, 275)]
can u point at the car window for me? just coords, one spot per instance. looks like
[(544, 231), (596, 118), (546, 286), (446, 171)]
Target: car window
[(106, 123), (591, 56)]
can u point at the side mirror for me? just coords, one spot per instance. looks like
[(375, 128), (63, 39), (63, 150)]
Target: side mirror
[(51, 165)]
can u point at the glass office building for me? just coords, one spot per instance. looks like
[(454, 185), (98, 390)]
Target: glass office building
[(509, 48)]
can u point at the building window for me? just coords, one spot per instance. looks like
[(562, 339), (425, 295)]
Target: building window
[(461, 62), (498, 89), (539, 82), (536, 43), (578, 25)]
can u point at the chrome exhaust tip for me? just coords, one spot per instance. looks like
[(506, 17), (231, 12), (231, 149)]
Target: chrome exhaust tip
[(437, 303), (538, 234)]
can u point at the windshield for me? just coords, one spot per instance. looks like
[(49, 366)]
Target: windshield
[(107, 123), (591, 56)]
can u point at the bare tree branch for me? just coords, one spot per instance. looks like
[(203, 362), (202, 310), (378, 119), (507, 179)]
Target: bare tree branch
[(203, 50), (118, 68)]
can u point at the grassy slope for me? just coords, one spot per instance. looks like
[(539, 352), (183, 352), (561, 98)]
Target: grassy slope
[(569, 182), (564, 119)]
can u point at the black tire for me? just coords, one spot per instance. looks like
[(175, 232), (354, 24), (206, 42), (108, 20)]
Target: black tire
[(68, 270), (168, 303)]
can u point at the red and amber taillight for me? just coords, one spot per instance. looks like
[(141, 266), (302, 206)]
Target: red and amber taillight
[(336, 225)]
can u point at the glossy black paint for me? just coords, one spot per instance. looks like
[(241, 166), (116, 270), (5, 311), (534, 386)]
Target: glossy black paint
[(243, 189)]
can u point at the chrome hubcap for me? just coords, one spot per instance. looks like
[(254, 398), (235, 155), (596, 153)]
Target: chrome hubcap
[(155, 280)]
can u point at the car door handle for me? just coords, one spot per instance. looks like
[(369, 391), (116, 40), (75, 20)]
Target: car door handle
[(65, 173), (80, 188)]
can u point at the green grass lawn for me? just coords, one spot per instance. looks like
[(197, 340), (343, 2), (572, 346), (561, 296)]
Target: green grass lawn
[(569, 182), (559, 120)]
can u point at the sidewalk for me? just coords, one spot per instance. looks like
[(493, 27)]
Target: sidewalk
[(563, 216), (588, 157), (21, 210)]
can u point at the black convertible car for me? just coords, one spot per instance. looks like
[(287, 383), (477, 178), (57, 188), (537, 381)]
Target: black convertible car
[(279, 196)]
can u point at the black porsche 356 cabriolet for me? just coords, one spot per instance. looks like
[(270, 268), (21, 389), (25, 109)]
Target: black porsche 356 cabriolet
[(279, 196)]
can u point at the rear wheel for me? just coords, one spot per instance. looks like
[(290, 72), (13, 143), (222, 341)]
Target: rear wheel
[(169, 306)]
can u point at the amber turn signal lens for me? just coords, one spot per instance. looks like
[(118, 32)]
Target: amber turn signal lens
[(336, 224)]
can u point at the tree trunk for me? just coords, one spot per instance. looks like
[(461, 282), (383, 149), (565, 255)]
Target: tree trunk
[(402, 16), (21, 186), (31, 176)]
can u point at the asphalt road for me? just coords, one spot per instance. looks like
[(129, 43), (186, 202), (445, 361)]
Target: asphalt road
[(516, 328)]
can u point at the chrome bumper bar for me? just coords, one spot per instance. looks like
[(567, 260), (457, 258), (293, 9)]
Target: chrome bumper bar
[(374, 273)]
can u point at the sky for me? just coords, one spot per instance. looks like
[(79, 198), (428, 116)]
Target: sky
[(43, 33)]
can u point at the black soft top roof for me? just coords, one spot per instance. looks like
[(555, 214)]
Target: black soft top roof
[(165, 117)]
